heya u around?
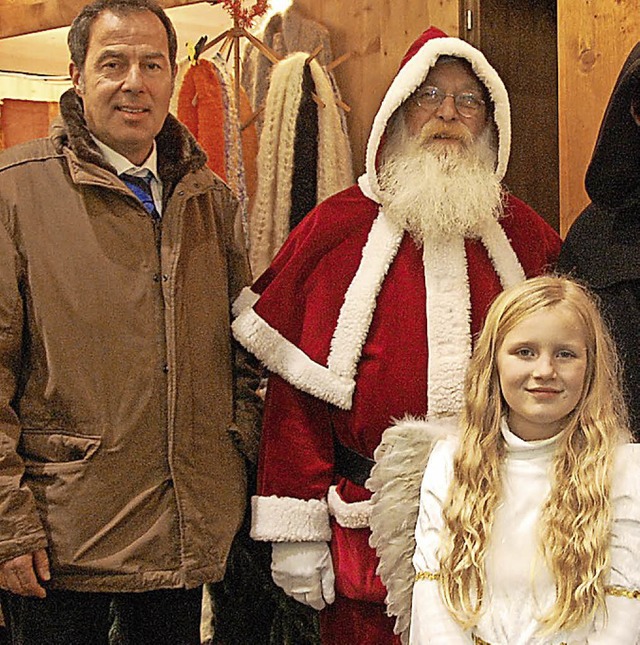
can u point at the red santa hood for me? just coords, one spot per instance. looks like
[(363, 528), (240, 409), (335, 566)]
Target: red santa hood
[(314, 337), (414, 68)]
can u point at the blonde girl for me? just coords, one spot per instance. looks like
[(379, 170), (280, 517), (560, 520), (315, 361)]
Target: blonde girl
[(529, 523)]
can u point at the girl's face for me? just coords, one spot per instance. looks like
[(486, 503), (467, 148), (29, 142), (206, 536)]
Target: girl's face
[(542, 364)]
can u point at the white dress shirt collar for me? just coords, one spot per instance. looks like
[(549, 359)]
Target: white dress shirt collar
[(122, 164)]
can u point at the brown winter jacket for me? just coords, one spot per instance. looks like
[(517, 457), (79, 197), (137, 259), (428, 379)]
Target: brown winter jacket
[(118, 442)]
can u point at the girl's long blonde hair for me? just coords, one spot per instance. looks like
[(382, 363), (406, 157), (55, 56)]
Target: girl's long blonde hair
[(576, 519)]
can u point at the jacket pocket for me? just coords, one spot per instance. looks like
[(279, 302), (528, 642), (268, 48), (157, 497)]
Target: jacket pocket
[(58, 468), (46, 450)]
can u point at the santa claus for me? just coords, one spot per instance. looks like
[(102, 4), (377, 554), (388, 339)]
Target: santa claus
[(368, 313)]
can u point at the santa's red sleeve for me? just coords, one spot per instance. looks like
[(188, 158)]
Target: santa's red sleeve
[(295, 468)]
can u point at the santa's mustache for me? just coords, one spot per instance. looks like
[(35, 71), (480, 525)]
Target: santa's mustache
[(434, 130)]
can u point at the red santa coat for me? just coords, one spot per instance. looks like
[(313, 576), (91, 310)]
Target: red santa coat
[(360, 326), (291, 326)]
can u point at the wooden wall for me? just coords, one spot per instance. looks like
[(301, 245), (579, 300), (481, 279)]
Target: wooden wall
[(378, 32), (28, 16), (520, 40), (594, 38)]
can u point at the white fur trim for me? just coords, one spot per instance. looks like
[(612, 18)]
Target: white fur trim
[(359, 304), (502, 255), (336, 382), (350, 515), (363, 183), (395, 481), (284, 358), (449, 311), (410, 77), (448, 323), (245, 300), (288, 519)]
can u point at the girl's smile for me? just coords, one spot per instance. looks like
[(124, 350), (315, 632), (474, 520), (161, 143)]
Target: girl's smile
[(541, 365)]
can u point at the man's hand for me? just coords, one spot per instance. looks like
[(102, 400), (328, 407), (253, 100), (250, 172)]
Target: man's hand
[(22, 575), (305, 571)]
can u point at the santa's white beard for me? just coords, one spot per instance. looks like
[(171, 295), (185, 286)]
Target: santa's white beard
[(439, 189)]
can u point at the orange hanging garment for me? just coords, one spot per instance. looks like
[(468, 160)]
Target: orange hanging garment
[(201, 108)]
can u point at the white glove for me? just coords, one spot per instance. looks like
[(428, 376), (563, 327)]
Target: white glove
[(304, 571)]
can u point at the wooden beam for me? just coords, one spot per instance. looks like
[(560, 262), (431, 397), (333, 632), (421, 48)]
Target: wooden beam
[(19, 17)]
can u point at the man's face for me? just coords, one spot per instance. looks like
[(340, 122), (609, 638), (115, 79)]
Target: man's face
[(126, 82), (443, 124)]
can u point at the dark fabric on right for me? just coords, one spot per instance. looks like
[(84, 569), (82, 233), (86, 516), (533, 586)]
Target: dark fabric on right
[(59, 619), (613, 176), (248, 607), (602, 248)]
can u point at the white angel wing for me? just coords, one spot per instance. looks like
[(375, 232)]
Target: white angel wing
[(395, 482)]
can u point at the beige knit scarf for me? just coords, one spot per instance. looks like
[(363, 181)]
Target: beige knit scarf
[(269, 217)]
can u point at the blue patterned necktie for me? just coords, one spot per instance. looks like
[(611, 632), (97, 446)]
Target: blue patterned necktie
[(141, 188)]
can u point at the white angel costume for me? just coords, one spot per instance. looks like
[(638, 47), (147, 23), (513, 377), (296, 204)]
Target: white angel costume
[(519, 586)]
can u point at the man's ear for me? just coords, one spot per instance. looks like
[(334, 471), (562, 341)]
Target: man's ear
[(76, 78)]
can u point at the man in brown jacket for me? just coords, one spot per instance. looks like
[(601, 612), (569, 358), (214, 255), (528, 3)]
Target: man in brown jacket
[(125, 409)]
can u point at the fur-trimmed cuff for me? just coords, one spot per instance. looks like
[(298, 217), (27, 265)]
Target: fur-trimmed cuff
[(288, 519), (282, 357), (350, 515)]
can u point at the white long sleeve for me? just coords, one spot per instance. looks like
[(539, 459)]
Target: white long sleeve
[(519, 587), (431, 621), (623, 624)]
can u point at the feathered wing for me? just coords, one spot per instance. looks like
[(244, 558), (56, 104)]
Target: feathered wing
[(395, 482)]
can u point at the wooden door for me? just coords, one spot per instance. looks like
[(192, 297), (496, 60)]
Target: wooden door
[(519, 40)]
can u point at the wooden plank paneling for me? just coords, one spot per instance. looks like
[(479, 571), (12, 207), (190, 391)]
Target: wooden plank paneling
[(594, 38), (19, 17), (519, 40), (378, 32)]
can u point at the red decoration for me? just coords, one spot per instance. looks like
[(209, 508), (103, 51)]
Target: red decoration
[(242, 17)]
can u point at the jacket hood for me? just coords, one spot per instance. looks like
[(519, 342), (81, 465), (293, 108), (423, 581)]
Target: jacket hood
[(613, 176), (178, 151), (421, 56)]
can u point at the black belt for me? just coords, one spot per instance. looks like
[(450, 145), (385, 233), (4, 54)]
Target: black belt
[(351, 464)]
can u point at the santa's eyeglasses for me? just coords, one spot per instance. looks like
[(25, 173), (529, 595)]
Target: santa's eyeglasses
[(430, 98)]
